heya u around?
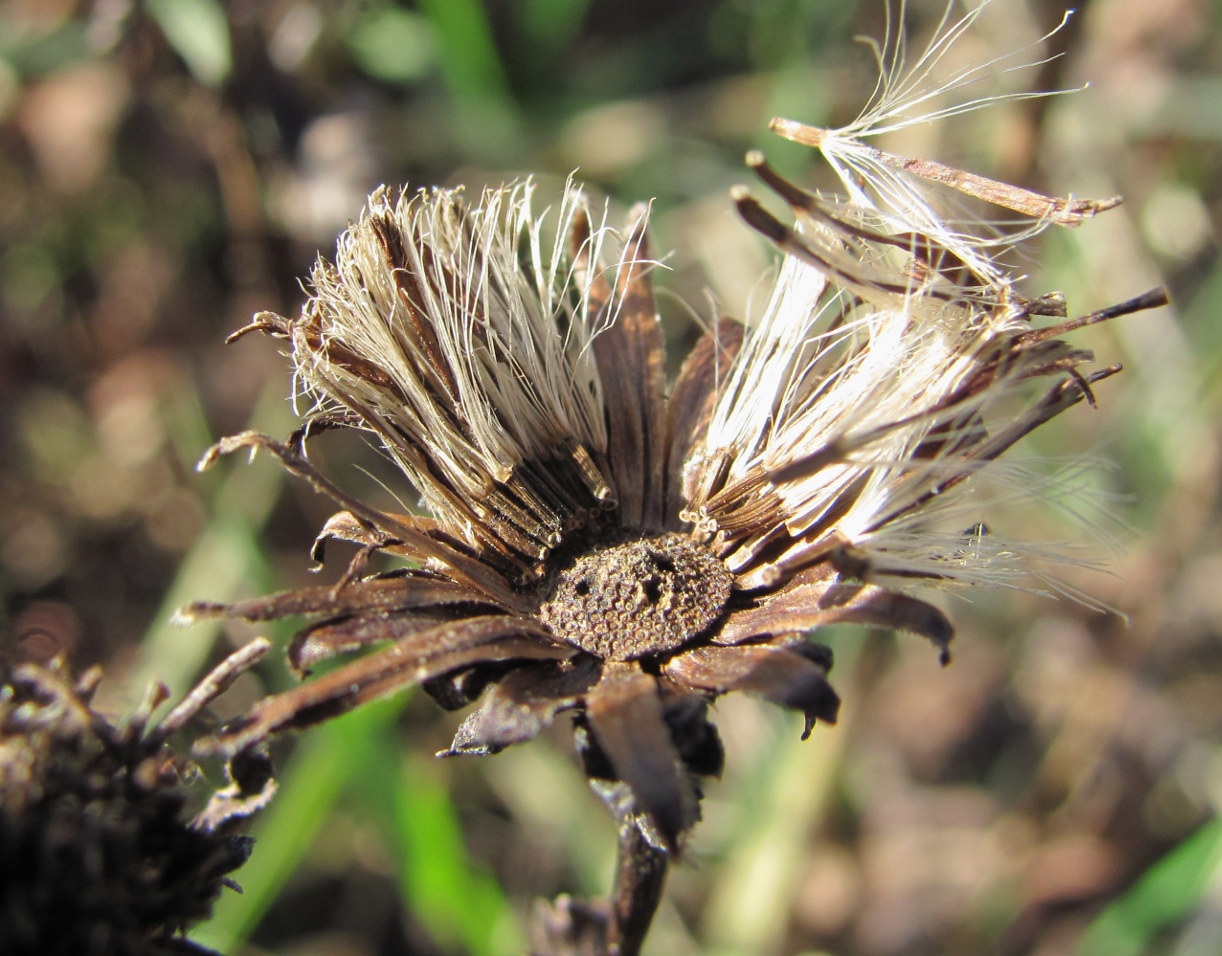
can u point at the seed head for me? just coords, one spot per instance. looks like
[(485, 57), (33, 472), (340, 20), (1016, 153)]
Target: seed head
[(100, 854), (597, 543)]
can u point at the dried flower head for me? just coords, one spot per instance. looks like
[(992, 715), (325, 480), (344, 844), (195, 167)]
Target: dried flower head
[(100, 856), (598, 544)]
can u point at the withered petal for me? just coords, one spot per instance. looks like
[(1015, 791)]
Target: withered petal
[(403, 529), (691, 401), (793, 676), (326, 639), (417, 658), (590, 281), (251, 787), (626, 717), (319, 422), (809, 602), (625, 809), (459, 689), (693, 734), (345, 526), (213, 684), (522, 703), (631, 356), (397, 591)]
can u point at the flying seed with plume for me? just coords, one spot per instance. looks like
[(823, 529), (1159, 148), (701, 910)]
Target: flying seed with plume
[(1063, 212)]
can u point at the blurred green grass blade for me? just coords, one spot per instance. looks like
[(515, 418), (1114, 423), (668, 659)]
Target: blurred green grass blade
[(441, 884), (551, 24), (198, 30), (226, 557), (30, 52), (469, 55), (548, 796), (456, 902), (392, 44), (487, 120), (1168, 892), (794, 784), (328, 758), (750, 897)]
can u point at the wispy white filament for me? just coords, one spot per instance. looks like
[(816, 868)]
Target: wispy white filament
[(914, 93), (875, 384)]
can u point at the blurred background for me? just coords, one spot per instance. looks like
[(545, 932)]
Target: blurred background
[(167, 168)]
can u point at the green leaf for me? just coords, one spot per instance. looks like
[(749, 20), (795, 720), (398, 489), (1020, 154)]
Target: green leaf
[(551, 24), (1165, 895), (487, 120), (26, 51), (225, 558), (360, 754), (459, 903), (470, 58), (199, 33)]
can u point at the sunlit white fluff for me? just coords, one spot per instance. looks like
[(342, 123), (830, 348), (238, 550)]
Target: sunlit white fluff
[(493, 288), (913, 92), (855, 366)]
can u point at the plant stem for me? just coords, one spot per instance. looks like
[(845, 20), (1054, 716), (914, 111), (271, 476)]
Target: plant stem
[(639, 878)]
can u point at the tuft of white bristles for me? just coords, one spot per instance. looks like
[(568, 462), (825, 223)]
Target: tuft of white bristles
[(845, 391), (912, 92), (503, 371)]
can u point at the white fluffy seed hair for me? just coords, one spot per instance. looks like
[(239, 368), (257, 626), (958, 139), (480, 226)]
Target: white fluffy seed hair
[(913, 92), (840, 366), (472, 334)]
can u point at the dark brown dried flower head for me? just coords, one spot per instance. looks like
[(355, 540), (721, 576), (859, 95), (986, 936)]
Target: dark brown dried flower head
[(601, 544), (99, 855)]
